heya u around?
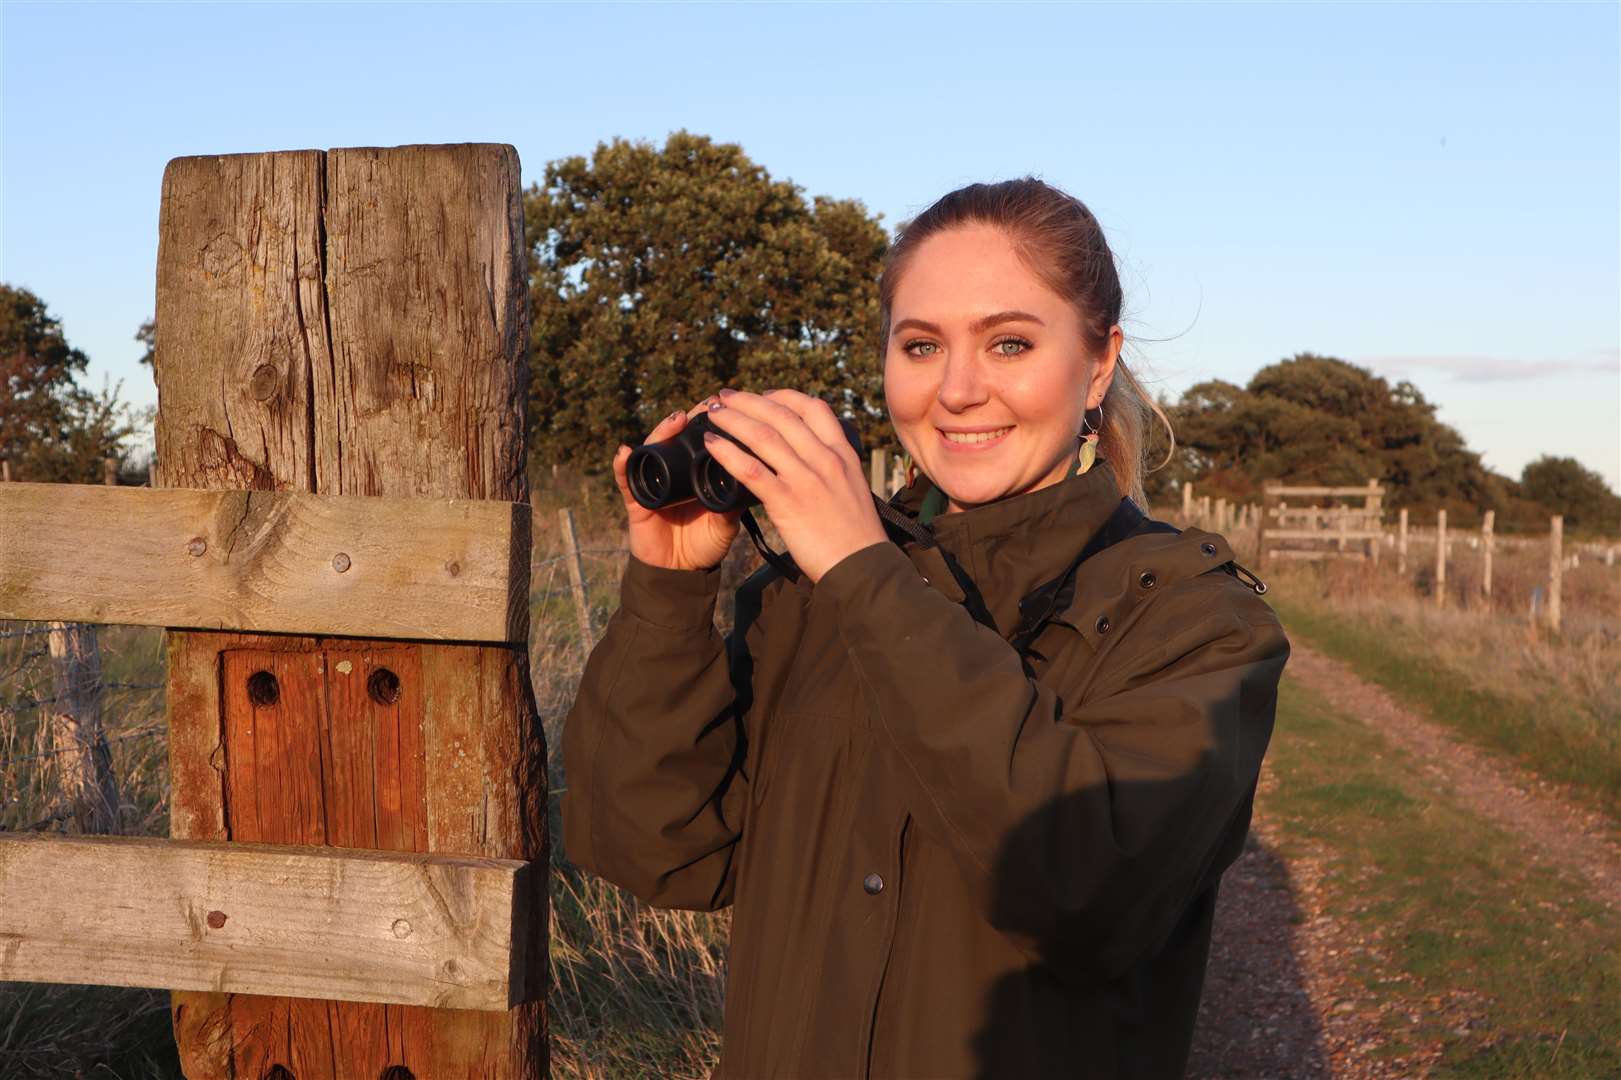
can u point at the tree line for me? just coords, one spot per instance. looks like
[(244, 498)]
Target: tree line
[(657, 273)]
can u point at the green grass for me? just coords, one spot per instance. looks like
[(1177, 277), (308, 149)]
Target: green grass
[(1513, 969), (1547, 730)]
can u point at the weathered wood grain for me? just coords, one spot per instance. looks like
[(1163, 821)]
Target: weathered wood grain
[(266, 561), (415, 382), (267, 919)]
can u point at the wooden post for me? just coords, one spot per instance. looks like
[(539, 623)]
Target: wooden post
[(576, 577), (1487, 527), (1441, 558), (1556, 568), (83, 764), (5, 471), (1401, 542), (897, 473), (1221, 514), (351, 322), (1187, 500), (879, 472), (1268, 496)]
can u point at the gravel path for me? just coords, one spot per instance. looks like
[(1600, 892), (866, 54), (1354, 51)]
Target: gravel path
[(1556, 833), (1278, 999)]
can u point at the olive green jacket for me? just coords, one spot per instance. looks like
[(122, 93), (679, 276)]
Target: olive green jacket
[(942, 861)]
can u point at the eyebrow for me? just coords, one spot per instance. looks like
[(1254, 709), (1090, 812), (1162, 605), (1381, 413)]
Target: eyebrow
[(975, 327)]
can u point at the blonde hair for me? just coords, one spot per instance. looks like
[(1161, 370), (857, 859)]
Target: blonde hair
[(1063, 244)]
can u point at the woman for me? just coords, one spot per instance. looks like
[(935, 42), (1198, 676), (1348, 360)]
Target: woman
[(968, 793)]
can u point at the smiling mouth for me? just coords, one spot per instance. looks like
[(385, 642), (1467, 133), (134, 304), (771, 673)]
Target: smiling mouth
[(972, 438)]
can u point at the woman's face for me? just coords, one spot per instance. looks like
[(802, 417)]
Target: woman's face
[(985, 371)]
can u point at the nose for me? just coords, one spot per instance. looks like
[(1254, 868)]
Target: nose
[(961, 387)]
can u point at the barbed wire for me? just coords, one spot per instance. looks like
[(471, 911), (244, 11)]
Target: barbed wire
[(137, 734), (33, 703)]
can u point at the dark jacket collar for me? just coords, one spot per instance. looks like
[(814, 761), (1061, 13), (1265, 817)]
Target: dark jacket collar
[(1013, 546)]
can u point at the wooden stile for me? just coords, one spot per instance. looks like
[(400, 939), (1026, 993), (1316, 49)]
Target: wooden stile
[(444, 569), (352, 323), (357, 925)]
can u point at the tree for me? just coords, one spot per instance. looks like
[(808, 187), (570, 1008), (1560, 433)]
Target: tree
[(51, 428), (1319, 420), (1564, 486), (658, 276)]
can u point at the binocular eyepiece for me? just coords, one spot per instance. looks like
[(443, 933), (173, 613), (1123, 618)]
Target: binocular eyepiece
[(681, 468)]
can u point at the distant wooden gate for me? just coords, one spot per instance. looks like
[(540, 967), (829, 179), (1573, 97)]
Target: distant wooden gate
[(342, 374), (1319, 531)]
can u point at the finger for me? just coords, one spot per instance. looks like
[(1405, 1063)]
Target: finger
[(622, 481), (746, 469), (820, 418), (786, 424), (764, 438), (667, 428)]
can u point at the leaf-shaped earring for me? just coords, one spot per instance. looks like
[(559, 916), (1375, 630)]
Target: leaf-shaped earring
[(1090, 429)]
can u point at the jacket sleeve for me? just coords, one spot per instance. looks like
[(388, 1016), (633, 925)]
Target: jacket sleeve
[(653, 748), (1084, 826)]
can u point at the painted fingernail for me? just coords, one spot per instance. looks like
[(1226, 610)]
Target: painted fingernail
[(710, 437), (673, 415), (727, 391), (716, 406)]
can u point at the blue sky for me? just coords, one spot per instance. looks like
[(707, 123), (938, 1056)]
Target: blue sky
[(1433, 191)]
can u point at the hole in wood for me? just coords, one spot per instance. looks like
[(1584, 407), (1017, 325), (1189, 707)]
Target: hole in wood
[(383, 686), (397, 1072), (278, 1072), (263, 690)]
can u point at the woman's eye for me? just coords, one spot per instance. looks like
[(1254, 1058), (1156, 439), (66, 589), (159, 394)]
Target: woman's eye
[(1010, 346), (921, 348)]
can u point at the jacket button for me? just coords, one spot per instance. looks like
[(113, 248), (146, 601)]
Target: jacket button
[(1103, 624), (1147, 580), (873, 883), (1208, 548)]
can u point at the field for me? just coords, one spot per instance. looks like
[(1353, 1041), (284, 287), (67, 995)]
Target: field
[(1418, 935)]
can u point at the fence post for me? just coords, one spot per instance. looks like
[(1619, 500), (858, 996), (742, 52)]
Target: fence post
[(1268, 497), (1487, 540), (1187, 501), (1556, 568), (87, 790), (291, 290), (879, 472), (1401, 543), (576, 577), (1440, 558), (1221, 514)]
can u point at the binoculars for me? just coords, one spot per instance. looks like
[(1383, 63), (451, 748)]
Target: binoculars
[(678, 469)]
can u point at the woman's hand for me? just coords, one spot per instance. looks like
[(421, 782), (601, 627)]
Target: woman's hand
[(681, 537), (804, 471)]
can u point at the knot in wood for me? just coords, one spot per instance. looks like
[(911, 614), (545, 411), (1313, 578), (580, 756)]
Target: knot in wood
[(216, 919), (263, 383)]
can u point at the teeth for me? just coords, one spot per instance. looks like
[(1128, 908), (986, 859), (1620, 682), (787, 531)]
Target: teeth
[(975, 437)]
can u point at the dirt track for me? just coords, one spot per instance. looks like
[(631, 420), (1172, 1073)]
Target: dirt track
[(1277, 1000)]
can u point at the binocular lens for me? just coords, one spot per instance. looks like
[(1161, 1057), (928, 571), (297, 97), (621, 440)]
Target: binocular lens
[(716, 488), (650, 482)]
